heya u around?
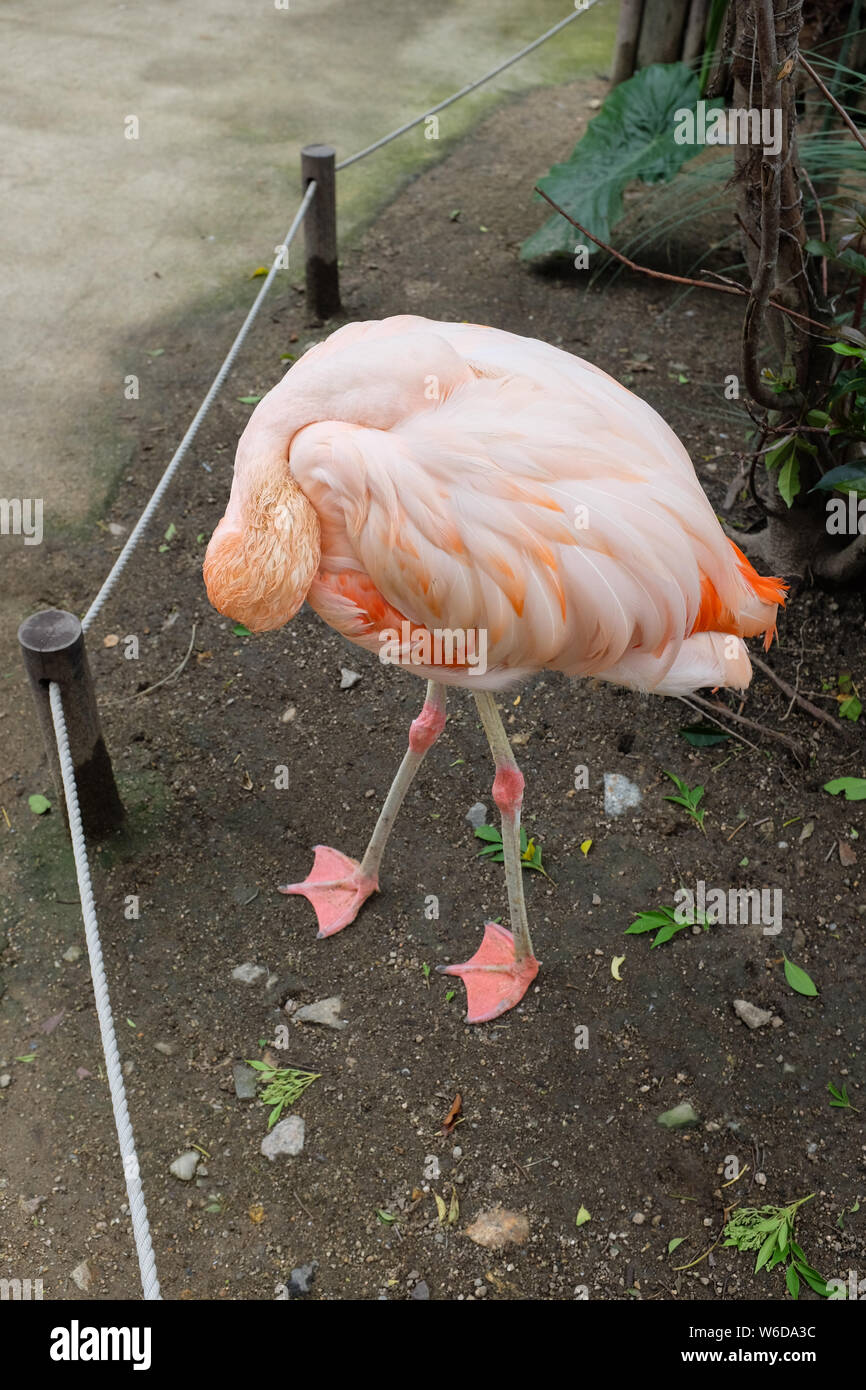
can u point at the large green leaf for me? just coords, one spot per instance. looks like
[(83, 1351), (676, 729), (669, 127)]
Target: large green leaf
[(848, 477), (632, 137)]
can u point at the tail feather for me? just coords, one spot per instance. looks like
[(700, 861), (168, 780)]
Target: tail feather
[(766, 595)]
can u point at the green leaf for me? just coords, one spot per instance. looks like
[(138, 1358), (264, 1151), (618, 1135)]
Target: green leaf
[(777, 455), (853, 787), (171, 532), (582, 1217), (387, 1217), (846, 350), (666, 933), (38, 804), (792, 1279), (249, 400), (813, 1280), (798, 979), (848, 477), (702, 735), (632, 137), (672, 1244), (789, 479), (240, 630), (851, 708), (766, 1251), (489, 832), (650, 921)]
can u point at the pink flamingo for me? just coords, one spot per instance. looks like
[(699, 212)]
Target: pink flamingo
[(479, 506)]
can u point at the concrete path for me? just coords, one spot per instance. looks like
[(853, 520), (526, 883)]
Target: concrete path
[(113, 225)]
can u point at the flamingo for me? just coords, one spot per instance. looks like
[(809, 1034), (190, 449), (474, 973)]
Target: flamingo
[(476, 507)]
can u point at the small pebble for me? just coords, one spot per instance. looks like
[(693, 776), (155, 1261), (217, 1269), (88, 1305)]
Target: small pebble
[(477, 815), (348, 678), (185, 1165), (249, 973)]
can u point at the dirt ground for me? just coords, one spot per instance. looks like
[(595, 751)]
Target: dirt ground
[(547, 1126)]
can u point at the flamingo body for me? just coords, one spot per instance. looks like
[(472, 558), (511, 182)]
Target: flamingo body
[(468, 479), (417, 481)]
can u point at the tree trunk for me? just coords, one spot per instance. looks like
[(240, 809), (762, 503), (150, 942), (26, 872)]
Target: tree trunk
[(630, 12), (693, 43), (661, 31)]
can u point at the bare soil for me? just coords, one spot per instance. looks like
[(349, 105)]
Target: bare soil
[(546, 1127)]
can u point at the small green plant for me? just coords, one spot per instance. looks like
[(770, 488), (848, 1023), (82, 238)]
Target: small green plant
[(770, 1231), (283, 1086), (530, 852), (840, 1098), (689, 798), (425, 971), (665, 922)]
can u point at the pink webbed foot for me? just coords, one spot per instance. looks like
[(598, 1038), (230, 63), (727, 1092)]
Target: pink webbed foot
[(335, 887), (495, 980)]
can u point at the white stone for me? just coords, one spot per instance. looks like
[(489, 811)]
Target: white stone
[(619, 794), (285, 1139)]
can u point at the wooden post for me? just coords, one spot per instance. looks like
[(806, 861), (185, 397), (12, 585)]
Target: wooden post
[(630, 12), (320, 231), (693, 42), (52, 645), (661, 32)]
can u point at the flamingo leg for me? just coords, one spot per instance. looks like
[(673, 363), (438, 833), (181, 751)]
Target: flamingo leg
[(504, 966), (338, 886)]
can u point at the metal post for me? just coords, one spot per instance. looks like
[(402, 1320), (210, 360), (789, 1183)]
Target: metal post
[(52, 645), (320, 231)]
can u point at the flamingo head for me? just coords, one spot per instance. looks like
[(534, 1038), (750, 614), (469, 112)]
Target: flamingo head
[(264, 554)]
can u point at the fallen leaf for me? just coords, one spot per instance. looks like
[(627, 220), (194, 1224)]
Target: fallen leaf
[(847, 856), (441, 1208), (51, 1023), (203, 656), (454, 1114), (586, 847), (257, 1215), (614, 967), (111, 640), (495, 1228), (582, 1217), (260, 270)]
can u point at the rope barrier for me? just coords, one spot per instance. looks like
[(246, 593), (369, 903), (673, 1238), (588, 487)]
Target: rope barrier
[(137, 1208), (585, 6), (120, 563)]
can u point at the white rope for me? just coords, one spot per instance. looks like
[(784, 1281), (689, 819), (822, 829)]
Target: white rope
[(585, 6), (137, 1208), (140, 526)]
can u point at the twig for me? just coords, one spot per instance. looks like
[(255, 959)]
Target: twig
[(715, 708), (833, 102), (297, 1198), (798, 699), (821, 227), (727, 287), (172, 675)]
